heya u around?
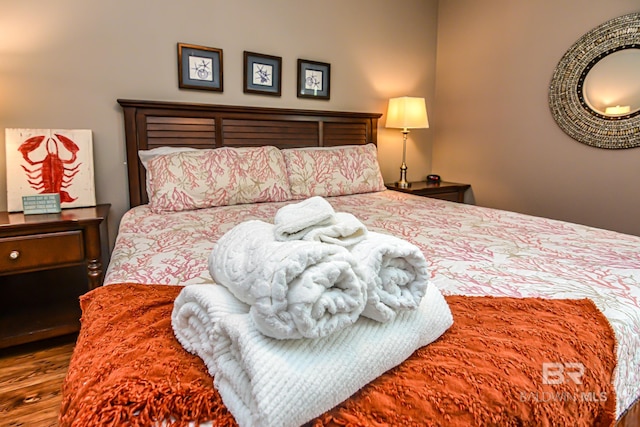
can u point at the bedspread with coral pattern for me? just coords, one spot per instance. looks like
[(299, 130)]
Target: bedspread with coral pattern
[(470, 250)]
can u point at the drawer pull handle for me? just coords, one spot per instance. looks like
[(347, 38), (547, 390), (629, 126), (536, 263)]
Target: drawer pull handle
[(14, 254)]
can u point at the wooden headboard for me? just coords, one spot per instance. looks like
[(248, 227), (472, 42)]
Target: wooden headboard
[(151, 124)]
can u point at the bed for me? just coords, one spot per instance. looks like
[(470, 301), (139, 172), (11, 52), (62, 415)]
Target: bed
[(547, 312)]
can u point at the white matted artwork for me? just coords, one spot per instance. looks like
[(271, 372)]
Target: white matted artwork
[(200, 68), (262, 74), (46, 161)]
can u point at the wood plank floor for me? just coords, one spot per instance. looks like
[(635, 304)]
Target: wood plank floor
[(30, 379)]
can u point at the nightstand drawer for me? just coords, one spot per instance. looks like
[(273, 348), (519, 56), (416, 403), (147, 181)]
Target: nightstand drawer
[(452, 197), (443, 190), (40, 251)]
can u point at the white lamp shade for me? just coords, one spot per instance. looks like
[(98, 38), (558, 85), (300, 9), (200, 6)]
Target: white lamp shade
[(407, 113)]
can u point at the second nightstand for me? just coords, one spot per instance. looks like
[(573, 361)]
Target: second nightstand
[(444, 190)]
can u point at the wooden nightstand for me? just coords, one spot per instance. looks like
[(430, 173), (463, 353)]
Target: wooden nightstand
[(46, 262), (437, 190)]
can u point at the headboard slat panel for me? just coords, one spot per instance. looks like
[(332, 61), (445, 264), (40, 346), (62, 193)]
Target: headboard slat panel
[(180, 120), (178, 133), (279, 133), (151, 124), (188, 127), (181, 141)]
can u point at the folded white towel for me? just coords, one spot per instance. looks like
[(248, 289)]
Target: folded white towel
[(293, 221), (396, 274), (295, 289), (346, 231), (268, 382)]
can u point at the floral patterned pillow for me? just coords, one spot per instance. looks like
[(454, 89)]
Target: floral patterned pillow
[(218, 177), (333, 171)]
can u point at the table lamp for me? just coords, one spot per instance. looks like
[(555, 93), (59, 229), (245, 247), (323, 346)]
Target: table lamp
[(406, 113)]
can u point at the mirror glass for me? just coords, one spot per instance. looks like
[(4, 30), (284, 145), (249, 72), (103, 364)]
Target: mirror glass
[(612, 85), (594, 94)]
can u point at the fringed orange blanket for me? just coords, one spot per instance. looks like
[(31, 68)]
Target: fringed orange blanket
[(505, 361)]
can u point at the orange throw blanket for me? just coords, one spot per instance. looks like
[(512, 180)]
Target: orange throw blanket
[(505, 361)]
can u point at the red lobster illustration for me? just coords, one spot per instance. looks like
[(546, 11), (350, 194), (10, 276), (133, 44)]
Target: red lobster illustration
[(52, 173)]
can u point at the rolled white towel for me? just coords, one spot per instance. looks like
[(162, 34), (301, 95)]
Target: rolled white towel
[(396, 274), (296, 289), (196, 312), (294, 221), (346, 231)]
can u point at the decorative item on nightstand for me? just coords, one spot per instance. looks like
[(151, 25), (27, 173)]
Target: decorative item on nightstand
[(406, 113), (43, 163), (433, 178)]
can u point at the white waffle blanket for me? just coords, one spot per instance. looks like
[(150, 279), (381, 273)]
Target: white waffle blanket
[(269, 382)]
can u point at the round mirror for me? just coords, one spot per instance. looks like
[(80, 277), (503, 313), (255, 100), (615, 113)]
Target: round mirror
[(611, 86), (594, 94)]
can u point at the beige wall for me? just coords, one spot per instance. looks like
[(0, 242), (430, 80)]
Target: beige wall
[(63, 64), (493, 127)]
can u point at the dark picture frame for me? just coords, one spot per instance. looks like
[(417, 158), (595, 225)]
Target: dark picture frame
[(314, 79), (262, 74), (199, 67)]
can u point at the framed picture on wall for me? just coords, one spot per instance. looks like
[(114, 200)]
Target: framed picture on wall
[(313, 79), (47, 162), (262, 74), (199, 67)]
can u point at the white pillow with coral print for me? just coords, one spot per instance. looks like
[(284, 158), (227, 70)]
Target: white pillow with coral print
[(333, 171), (216, 177)]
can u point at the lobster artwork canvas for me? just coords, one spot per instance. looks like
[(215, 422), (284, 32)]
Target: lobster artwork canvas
[(50, 161)]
